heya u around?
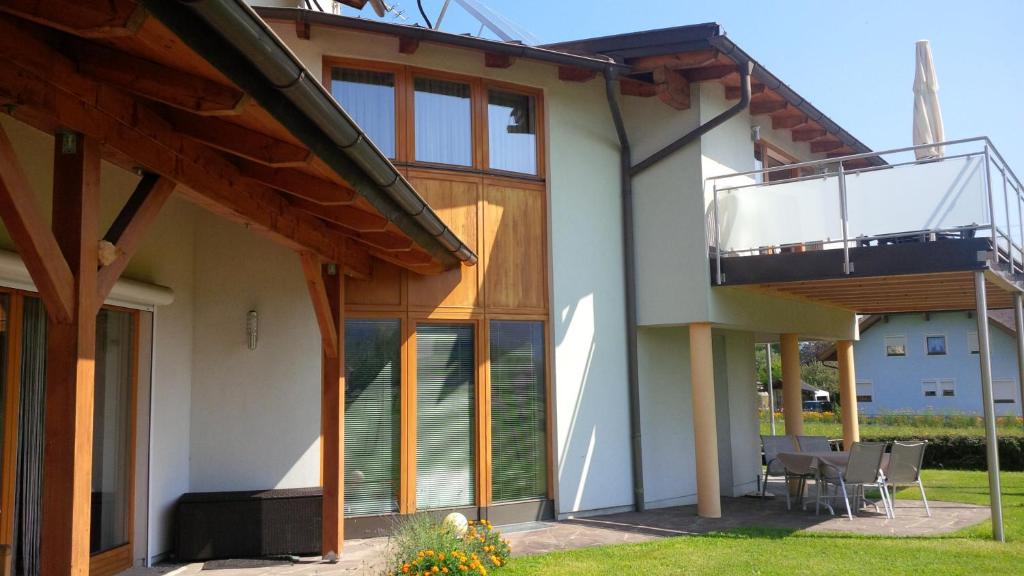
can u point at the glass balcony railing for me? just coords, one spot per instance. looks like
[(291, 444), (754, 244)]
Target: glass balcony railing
[(870, 199)]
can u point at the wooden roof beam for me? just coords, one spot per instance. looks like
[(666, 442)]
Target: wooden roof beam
[(494, 60), (825, 145), (716, 72), (137, 132), (788, 122), (238, 140), (408, 45), (695, 59), (158, 82), (81, 18), (575, 74), (298, 184), (766, 106), (807, 134), (631, 87), (733, 92), (672, 88)]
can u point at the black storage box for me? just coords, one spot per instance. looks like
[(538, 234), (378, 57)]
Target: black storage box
[(210, 525)]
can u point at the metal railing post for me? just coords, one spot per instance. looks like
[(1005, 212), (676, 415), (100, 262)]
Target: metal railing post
[(845, 217), (991, 206), (718, 241), (1020, 223), (1009, 230)]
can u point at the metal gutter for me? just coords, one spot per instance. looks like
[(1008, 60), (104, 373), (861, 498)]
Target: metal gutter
[(237, 41), (629, 264), (514, 49)]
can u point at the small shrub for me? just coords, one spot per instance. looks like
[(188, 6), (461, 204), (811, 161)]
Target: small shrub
[(423, 545)]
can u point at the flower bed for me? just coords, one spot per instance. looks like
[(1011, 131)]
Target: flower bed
[(424, 545)]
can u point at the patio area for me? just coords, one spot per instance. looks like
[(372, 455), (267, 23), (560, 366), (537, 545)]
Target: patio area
[(365, 556)]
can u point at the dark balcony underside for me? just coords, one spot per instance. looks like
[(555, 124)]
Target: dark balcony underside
[(913, 277)]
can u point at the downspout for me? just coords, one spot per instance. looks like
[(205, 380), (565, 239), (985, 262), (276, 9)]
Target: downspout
[(629, 263), (628, 171)]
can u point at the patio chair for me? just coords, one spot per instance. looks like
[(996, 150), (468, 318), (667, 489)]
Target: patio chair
[(773, 446), (904, 468), (814, 444), (862, 470)]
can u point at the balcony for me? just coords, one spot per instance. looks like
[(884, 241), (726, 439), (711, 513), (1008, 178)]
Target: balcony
[(893, 234)]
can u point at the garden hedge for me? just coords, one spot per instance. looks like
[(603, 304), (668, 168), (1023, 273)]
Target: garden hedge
[(957, 452)]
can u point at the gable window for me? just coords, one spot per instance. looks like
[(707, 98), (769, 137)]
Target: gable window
[(511, 132), (1004, 391), (935, 345), (369, 98), (896, 345), (972, 342), (865, 392), (444, 122)]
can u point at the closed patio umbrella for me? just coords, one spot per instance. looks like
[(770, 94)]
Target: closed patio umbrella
[(927, 115)]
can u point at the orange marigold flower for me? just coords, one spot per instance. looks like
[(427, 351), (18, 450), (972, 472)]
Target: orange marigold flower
[(405, 568)]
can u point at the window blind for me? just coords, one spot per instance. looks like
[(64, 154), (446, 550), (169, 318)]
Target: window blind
[(372, 416), (445, 457), (369, 98), (443, 122), (518, 411)]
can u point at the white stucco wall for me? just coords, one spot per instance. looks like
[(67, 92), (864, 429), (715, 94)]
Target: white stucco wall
[(255, 415)]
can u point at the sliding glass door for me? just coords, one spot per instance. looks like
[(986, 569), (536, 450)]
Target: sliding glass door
[(445, 416)]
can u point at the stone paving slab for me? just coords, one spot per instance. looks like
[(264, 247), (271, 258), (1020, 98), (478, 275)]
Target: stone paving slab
[(366, 556)]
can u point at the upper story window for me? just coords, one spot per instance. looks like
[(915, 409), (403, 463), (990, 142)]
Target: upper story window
[(896, 345), (444, 122), (511, 132), (1004, 391), (972, 342), (442, 119), (369, 98), (767, 156), (865, 392), (936, 345)]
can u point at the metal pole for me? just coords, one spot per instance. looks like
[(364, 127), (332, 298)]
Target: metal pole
[(845, 218), (991, 207), (718, 242), (1018, 317), (771, 385), (1020, 224), (991, 446), (440, 17)]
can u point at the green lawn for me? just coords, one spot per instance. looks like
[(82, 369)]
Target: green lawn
[(772, 551)]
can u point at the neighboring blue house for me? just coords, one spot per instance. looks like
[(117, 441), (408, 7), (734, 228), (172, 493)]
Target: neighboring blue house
[(929, 363)]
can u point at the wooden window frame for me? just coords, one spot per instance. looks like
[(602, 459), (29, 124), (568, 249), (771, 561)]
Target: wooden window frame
[(766, 148), (103, 563), (405, 121)]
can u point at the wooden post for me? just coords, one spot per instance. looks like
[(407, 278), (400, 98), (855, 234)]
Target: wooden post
[(792, 405), (70, 364), (848, 392), (705, 430), (333, 414)]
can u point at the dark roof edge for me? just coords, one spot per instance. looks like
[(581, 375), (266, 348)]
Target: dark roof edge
[(241, 45), (428, 35)]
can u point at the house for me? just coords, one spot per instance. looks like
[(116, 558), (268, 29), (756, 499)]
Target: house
[(929, 363), (404, 270)]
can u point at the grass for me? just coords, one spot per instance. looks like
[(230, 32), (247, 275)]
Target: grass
[(899, 425), (754, 550)]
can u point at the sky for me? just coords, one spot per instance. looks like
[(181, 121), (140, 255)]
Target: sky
[(854, 60)]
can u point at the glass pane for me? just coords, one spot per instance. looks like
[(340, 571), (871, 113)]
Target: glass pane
[(518, 413), (112, 433), (445, 416), (512, 132), (369, 98), (29, 489), (444, 122), (372, 416)]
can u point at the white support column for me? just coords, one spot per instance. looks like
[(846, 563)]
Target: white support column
[(991, 441)]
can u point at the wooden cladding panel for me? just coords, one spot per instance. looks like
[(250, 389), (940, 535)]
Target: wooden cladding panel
[(515, 255), (382, 288), (456, 202), (503, 219)]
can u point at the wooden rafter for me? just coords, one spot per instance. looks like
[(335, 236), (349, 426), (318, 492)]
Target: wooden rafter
[(631, 87), (298, 184), (158, 82), (86, 19), (494, 60), (128, 229), (789, 121), (133, 129), (239, 140), (693, 59), (35, 242), (733, 92), (807, 134), (825, 145), (408, 45), (672, 88), (574, 74), (709, 72), (767, 106)]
